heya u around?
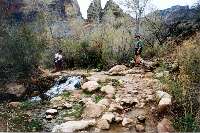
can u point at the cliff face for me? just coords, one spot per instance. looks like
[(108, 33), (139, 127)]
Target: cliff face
[(56, 14), (21, 10)]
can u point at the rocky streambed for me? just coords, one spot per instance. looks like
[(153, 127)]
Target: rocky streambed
[(119, 100)]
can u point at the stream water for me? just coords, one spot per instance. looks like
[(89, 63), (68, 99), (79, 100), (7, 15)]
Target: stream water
[(64, 83)]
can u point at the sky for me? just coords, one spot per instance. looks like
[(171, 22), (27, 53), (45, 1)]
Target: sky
[(159, 4)]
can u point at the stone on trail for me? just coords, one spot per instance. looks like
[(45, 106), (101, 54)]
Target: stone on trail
[(118, 119), (108, 116), (126, 121), (108, 89), (117, 70), (93, 110), (165, 101), (140, 128), (72, 126), (103, 124), (115, 107), (90, 86), (105, 102), (129, 101), (15, 89), (51, 112), (165, 126), (141, 118)]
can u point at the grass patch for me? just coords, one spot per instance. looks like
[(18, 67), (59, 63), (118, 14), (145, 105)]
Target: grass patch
[(66, 95), (186, 123), (98, 98), (76, 111)]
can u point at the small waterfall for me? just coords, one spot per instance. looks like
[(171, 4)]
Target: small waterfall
[(64, 83)]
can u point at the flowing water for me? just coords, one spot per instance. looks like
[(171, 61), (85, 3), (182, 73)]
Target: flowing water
[(64, 83)]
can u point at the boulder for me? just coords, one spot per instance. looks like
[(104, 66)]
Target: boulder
[(108, 116), (140, 128), (117, 70), (129, 101), (141, 118), (126, 121), (15, 89), (90, 86), (118, 119), (164, 104), (165, 101), (93, 110), (72, 126), (108, 89), (165, 126), (105, 102), (103, 124), (51, 112), (115, 107)]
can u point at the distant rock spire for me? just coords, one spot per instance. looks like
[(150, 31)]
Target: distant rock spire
[(94, 11)]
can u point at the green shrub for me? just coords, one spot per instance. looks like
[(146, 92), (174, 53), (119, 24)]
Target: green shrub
[(186, 123), (20, 53)]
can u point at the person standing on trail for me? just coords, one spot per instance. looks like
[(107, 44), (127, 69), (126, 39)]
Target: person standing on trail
[(58, 61), (138, 46)]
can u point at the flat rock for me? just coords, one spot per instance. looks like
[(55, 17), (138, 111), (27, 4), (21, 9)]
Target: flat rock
[(93, 110), (108, 116), (105, 102), (126, 121), (115, 107), (108, 89), (90, 86), (103, 124), (117, 70), (72, 126)]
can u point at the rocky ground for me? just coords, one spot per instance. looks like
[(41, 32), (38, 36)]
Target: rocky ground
[(119, 100)]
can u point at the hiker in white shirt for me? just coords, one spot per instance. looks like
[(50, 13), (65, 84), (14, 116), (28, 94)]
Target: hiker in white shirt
[(58, 60)]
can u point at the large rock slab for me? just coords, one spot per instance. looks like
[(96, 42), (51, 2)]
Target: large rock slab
[(93, 110), (15, 89), (72, 126), (117, 70), (108, 116), (90, 86), (103, 124), (108, 89)]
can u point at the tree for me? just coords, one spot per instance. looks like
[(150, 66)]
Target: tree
[(137, 7)]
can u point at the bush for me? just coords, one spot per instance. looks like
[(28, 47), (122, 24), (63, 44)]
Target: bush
[(20, 54)]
